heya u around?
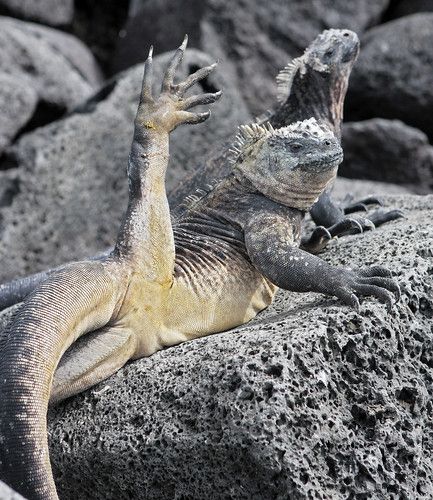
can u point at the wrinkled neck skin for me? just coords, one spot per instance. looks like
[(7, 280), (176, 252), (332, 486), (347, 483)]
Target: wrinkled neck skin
[(237, 196), (315, 94), (298, 190)]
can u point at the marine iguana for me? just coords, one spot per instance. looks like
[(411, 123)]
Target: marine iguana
[(313, 85), (213, 268)]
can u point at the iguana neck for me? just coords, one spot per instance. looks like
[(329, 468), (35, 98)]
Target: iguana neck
[(314, 94)]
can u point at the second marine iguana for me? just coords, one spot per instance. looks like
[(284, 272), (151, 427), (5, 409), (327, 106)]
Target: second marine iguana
[(215, 267), (313, 85)]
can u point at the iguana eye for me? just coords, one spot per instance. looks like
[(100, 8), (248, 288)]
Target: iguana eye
[(295, 147)]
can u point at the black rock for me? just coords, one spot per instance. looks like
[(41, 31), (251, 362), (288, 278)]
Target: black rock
[(394, 73), (388, 151)]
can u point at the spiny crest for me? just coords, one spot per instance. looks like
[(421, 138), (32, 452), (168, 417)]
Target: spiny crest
[(306, 128), (248, 135), (285, 78)]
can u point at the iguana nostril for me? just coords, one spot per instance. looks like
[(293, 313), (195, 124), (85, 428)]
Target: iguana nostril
[(346, 34), (328, 143)]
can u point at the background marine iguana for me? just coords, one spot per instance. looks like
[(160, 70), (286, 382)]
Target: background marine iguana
[(313, 85), (215, 267)]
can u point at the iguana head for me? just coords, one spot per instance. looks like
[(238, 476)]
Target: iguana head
[(291, 165), (316, 82)]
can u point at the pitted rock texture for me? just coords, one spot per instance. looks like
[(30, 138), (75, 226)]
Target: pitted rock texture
[(43, 73), (388, 151), (7, 494), (51, 12), (258, 38), (309, 400), (392, 77), (71, 175)]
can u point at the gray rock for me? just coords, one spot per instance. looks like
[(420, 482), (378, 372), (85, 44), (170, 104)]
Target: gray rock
[(52, 12), (7, 494), (361, 188), (388, 151), (18, 103), (392, 77), (310, 400), (257, 37), (43, 73), (72, 186)]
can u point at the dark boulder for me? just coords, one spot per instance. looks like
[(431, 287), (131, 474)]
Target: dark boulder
[(388, 151), (394, 73)]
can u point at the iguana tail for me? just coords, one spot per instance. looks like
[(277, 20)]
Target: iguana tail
[(16, 291), (77, 299)]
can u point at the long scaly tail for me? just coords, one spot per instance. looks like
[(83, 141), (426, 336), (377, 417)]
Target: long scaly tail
[(77, 299)]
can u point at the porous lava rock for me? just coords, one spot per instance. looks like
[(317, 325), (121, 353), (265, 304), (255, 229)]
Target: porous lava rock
[(309, 400), (70, 176), (392, 77), (256, 37), (387, 151)]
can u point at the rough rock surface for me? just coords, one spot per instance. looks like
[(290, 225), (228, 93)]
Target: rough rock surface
[(392, 77), (43, 73), (71, 185), (51, 12), (256, 37), (7, 494), (388, 151), (310, 400)]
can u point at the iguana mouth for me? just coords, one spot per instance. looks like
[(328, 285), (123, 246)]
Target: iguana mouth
[(329, 161)]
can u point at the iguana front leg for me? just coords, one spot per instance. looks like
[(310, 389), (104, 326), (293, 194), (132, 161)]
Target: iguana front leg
[(273, 250)]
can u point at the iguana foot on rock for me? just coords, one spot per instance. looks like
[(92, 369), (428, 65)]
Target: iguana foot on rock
[(355, 224)]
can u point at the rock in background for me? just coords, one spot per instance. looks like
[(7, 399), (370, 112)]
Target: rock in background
[(51, 12), (43, 74), (387, 151), (393, 75), (65, 198)]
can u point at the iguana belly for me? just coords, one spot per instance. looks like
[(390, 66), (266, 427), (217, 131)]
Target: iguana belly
[(189, 309), (215, 307)]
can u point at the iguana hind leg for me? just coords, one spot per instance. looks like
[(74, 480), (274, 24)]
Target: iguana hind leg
[(90, 360)]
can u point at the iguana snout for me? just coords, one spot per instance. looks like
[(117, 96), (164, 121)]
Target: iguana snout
[(332, 48)]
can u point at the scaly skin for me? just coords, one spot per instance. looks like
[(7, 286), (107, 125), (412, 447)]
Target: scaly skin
[(164, 283), (314, 85)]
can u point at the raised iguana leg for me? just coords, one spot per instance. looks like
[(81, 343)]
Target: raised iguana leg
[(90, 295)]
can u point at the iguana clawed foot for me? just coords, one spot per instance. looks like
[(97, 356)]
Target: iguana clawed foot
[(321, 235), (374, 281), (170, 108)]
